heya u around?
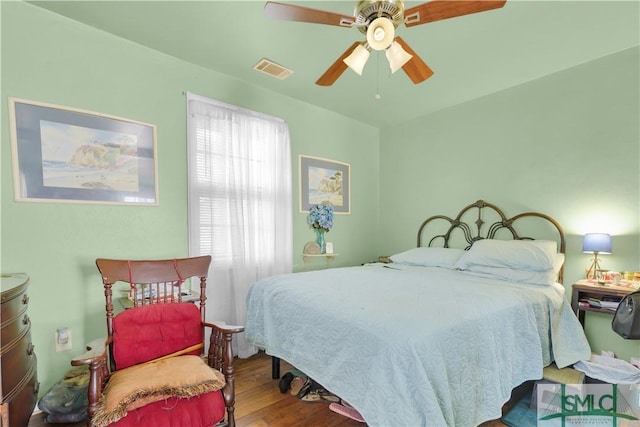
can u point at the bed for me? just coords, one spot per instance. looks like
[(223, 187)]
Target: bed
[(438, 337)]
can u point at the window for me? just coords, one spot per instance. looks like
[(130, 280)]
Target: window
[(240, 202)]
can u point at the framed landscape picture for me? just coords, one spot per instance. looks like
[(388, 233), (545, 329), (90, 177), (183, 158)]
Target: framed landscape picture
[(324, 181), (63, 154)]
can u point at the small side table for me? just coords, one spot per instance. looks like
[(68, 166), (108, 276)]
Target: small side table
[(587, 289)]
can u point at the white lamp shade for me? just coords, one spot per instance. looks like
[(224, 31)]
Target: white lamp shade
[(597, 242), (357, 59), (397, 56), (380, 33)]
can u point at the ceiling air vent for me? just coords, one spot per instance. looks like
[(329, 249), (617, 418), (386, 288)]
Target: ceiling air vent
[(271, 68)]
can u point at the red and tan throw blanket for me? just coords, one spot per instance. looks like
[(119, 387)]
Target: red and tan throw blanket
[(134, 387)]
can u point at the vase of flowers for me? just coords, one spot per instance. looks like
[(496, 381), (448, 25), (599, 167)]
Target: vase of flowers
[(321, 219)]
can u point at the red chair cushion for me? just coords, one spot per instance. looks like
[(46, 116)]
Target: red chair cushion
[(144, 333), (200, 411)]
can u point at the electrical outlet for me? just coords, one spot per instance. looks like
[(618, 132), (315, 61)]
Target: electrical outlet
[(63, 339)]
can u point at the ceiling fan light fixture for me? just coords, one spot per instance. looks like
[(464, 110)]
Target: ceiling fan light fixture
[(357, 59), (397, 56), (380, 33)]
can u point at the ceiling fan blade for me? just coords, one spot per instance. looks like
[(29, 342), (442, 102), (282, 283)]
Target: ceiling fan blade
[(290, 12), (336, 69), (417, 70), (437, 10)]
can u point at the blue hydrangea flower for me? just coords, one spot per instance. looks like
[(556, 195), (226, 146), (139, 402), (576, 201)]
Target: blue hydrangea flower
[(321, 216)]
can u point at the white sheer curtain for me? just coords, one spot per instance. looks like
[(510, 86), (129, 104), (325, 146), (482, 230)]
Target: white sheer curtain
[(240, 202)]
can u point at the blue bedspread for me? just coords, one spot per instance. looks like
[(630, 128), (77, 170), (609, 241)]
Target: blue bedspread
[(414, 346)]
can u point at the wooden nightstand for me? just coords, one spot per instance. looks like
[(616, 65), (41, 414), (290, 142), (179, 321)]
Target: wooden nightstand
[(584, 289)]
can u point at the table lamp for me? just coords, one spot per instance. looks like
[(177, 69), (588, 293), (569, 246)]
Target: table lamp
[(598, 243)]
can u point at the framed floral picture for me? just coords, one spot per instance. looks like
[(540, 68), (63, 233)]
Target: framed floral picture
[(324, 181), (63, 154)]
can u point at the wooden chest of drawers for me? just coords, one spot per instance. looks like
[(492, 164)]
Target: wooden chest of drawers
[(19, 379)]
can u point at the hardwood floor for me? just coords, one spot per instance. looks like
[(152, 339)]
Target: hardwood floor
[(259, 402)]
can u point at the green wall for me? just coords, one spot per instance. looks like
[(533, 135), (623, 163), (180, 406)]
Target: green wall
[(567, 145), (49, 58)]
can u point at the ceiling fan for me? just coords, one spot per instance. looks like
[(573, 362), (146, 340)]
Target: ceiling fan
[(378, 19)]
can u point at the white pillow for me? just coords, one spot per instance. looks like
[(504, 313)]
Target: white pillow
[(549, 246), (543, 278), (516, 254), (558, 262), (429, 257)]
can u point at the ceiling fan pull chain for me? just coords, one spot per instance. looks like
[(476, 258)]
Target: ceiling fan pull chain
[(377, 96)]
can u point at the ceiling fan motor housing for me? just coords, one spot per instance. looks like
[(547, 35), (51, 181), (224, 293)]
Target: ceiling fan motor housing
[(368, 10)]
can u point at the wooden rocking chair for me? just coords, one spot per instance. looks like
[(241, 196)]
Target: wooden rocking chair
[(151, 370)]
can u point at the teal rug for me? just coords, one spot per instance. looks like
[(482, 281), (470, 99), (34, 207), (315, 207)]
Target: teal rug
[(521, 415)]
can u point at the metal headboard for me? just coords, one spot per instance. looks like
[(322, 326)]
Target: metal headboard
[(475, 230)]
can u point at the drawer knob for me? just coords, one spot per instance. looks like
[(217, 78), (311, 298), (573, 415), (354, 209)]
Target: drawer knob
[(25, 299), (25, 320), (30, 349)]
